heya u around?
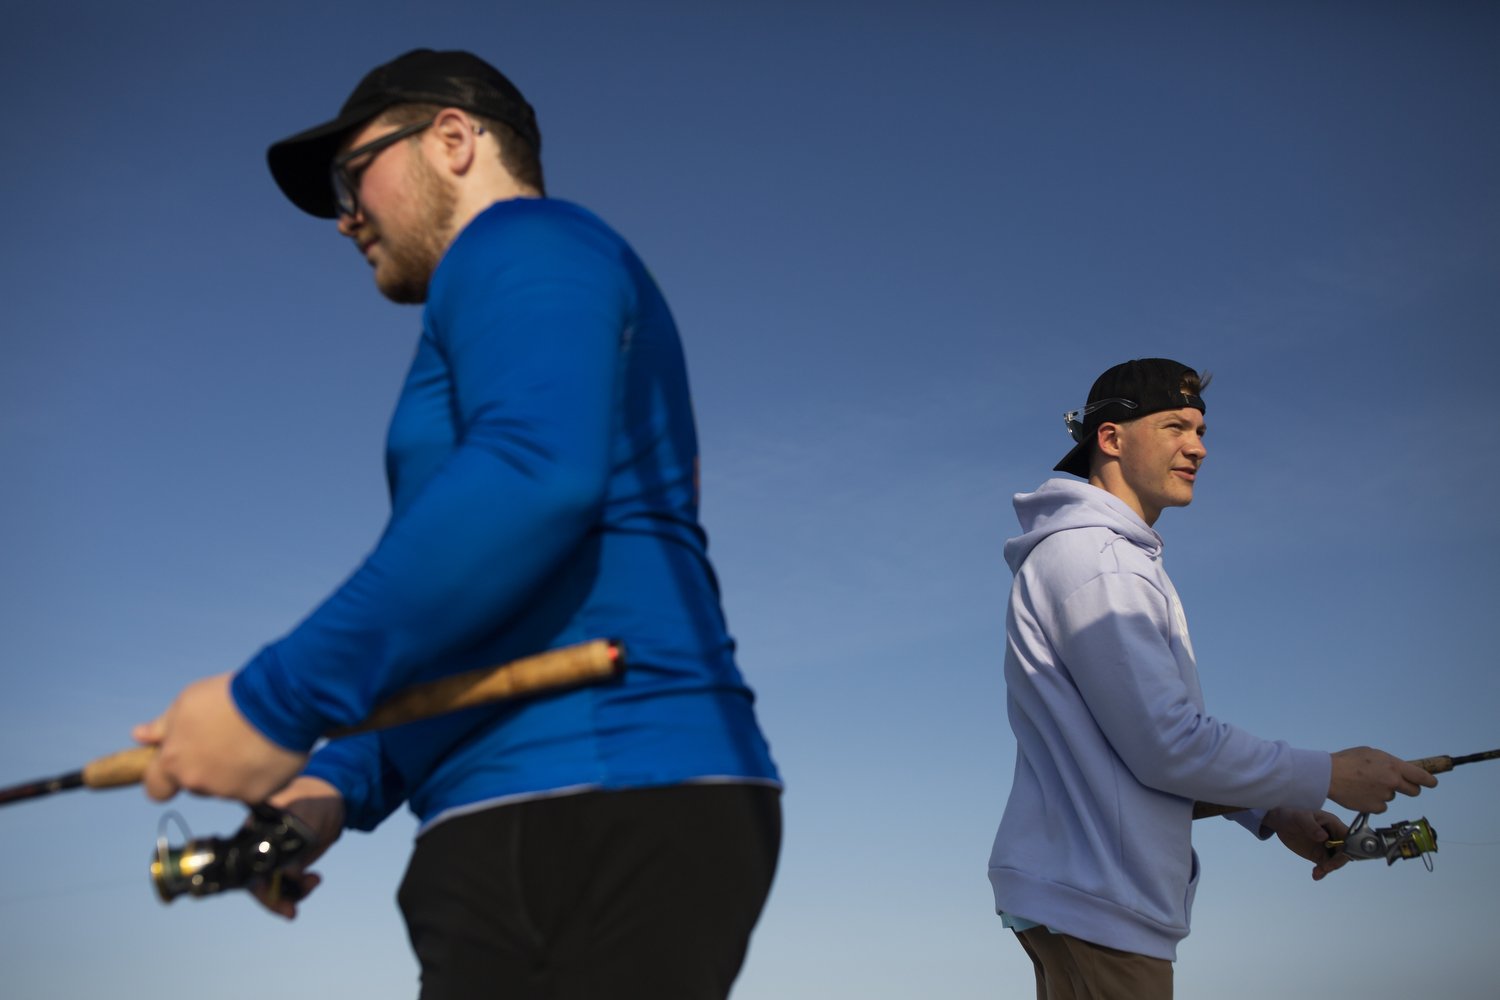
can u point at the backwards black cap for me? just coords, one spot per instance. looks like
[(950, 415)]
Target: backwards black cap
[(1126, 392), (453, 79)]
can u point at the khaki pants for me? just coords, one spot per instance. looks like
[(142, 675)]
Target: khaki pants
[(1068, 968)]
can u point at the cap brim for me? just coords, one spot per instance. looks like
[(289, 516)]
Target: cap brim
[(1075, 462), (301, 164)]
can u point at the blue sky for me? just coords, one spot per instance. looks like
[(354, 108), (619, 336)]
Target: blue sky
[(900, 241)]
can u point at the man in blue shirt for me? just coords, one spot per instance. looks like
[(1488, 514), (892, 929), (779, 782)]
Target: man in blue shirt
[(614, 840)]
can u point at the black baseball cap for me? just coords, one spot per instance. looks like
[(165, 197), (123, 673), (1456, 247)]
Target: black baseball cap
[(454, 79), (1126, 392)]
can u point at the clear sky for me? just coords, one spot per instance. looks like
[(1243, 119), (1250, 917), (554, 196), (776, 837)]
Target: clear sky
[(900, 240)]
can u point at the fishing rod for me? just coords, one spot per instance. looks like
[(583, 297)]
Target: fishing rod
[(273, 839), (1405, 839), (557, 668)]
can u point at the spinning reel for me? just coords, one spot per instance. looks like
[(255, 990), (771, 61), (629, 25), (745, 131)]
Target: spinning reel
[(270, 840), (1406, 839)]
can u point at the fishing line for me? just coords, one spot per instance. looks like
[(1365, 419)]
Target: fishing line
[(1471, 843)]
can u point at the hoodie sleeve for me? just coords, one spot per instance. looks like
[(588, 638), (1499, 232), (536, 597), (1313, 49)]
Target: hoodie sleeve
[(1115, 640)]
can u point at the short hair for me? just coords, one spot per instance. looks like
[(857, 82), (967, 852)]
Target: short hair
[(1193, 384), (519, 158)]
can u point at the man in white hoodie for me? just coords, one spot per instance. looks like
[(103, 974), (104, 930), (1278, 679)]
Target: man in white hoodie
[(1093, 864)]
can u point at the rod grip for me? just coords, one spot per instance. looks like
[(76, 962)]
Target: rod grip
[(556, 668), (126, 767), (1434, 765)]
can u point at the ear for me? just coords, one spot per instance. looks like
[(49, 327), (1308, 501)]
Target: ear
[(1109, 439), (457, 140)]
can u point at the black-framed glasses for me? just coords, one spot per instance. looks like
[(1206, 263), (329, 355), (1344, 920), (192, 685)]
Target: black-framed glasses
[(346, 180)]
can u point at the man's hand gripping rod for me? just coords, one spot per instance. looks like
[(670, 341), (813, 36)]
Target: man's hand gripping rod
[(557, 668), (272, 838), (1406, 839)]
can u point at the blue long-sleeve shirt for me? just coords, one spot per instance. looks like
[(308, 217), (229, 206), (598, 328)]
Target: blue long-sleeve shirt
[(542, 463)]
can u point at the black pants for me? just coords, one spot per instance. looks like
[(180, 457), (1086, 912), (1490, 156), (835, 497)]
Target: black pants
[(648, 893)]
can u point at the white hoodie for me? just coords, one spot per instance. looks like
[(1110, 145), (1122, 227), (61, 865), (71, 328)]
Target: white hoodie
[(1112, 741)]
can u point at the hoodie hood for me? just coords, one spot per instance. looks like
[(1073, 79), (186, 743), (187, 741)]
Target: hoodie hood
[(1064, 504)]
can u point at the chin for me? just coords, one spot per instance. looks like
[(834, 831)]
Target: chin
[(1175, 498), (402, 289)]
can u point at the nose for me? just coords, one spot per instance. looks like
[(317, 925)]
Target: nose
[(1196, 449), (349, 223)]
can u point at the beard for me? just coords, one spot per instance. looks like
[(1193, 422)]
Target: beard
[(412, 251)]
